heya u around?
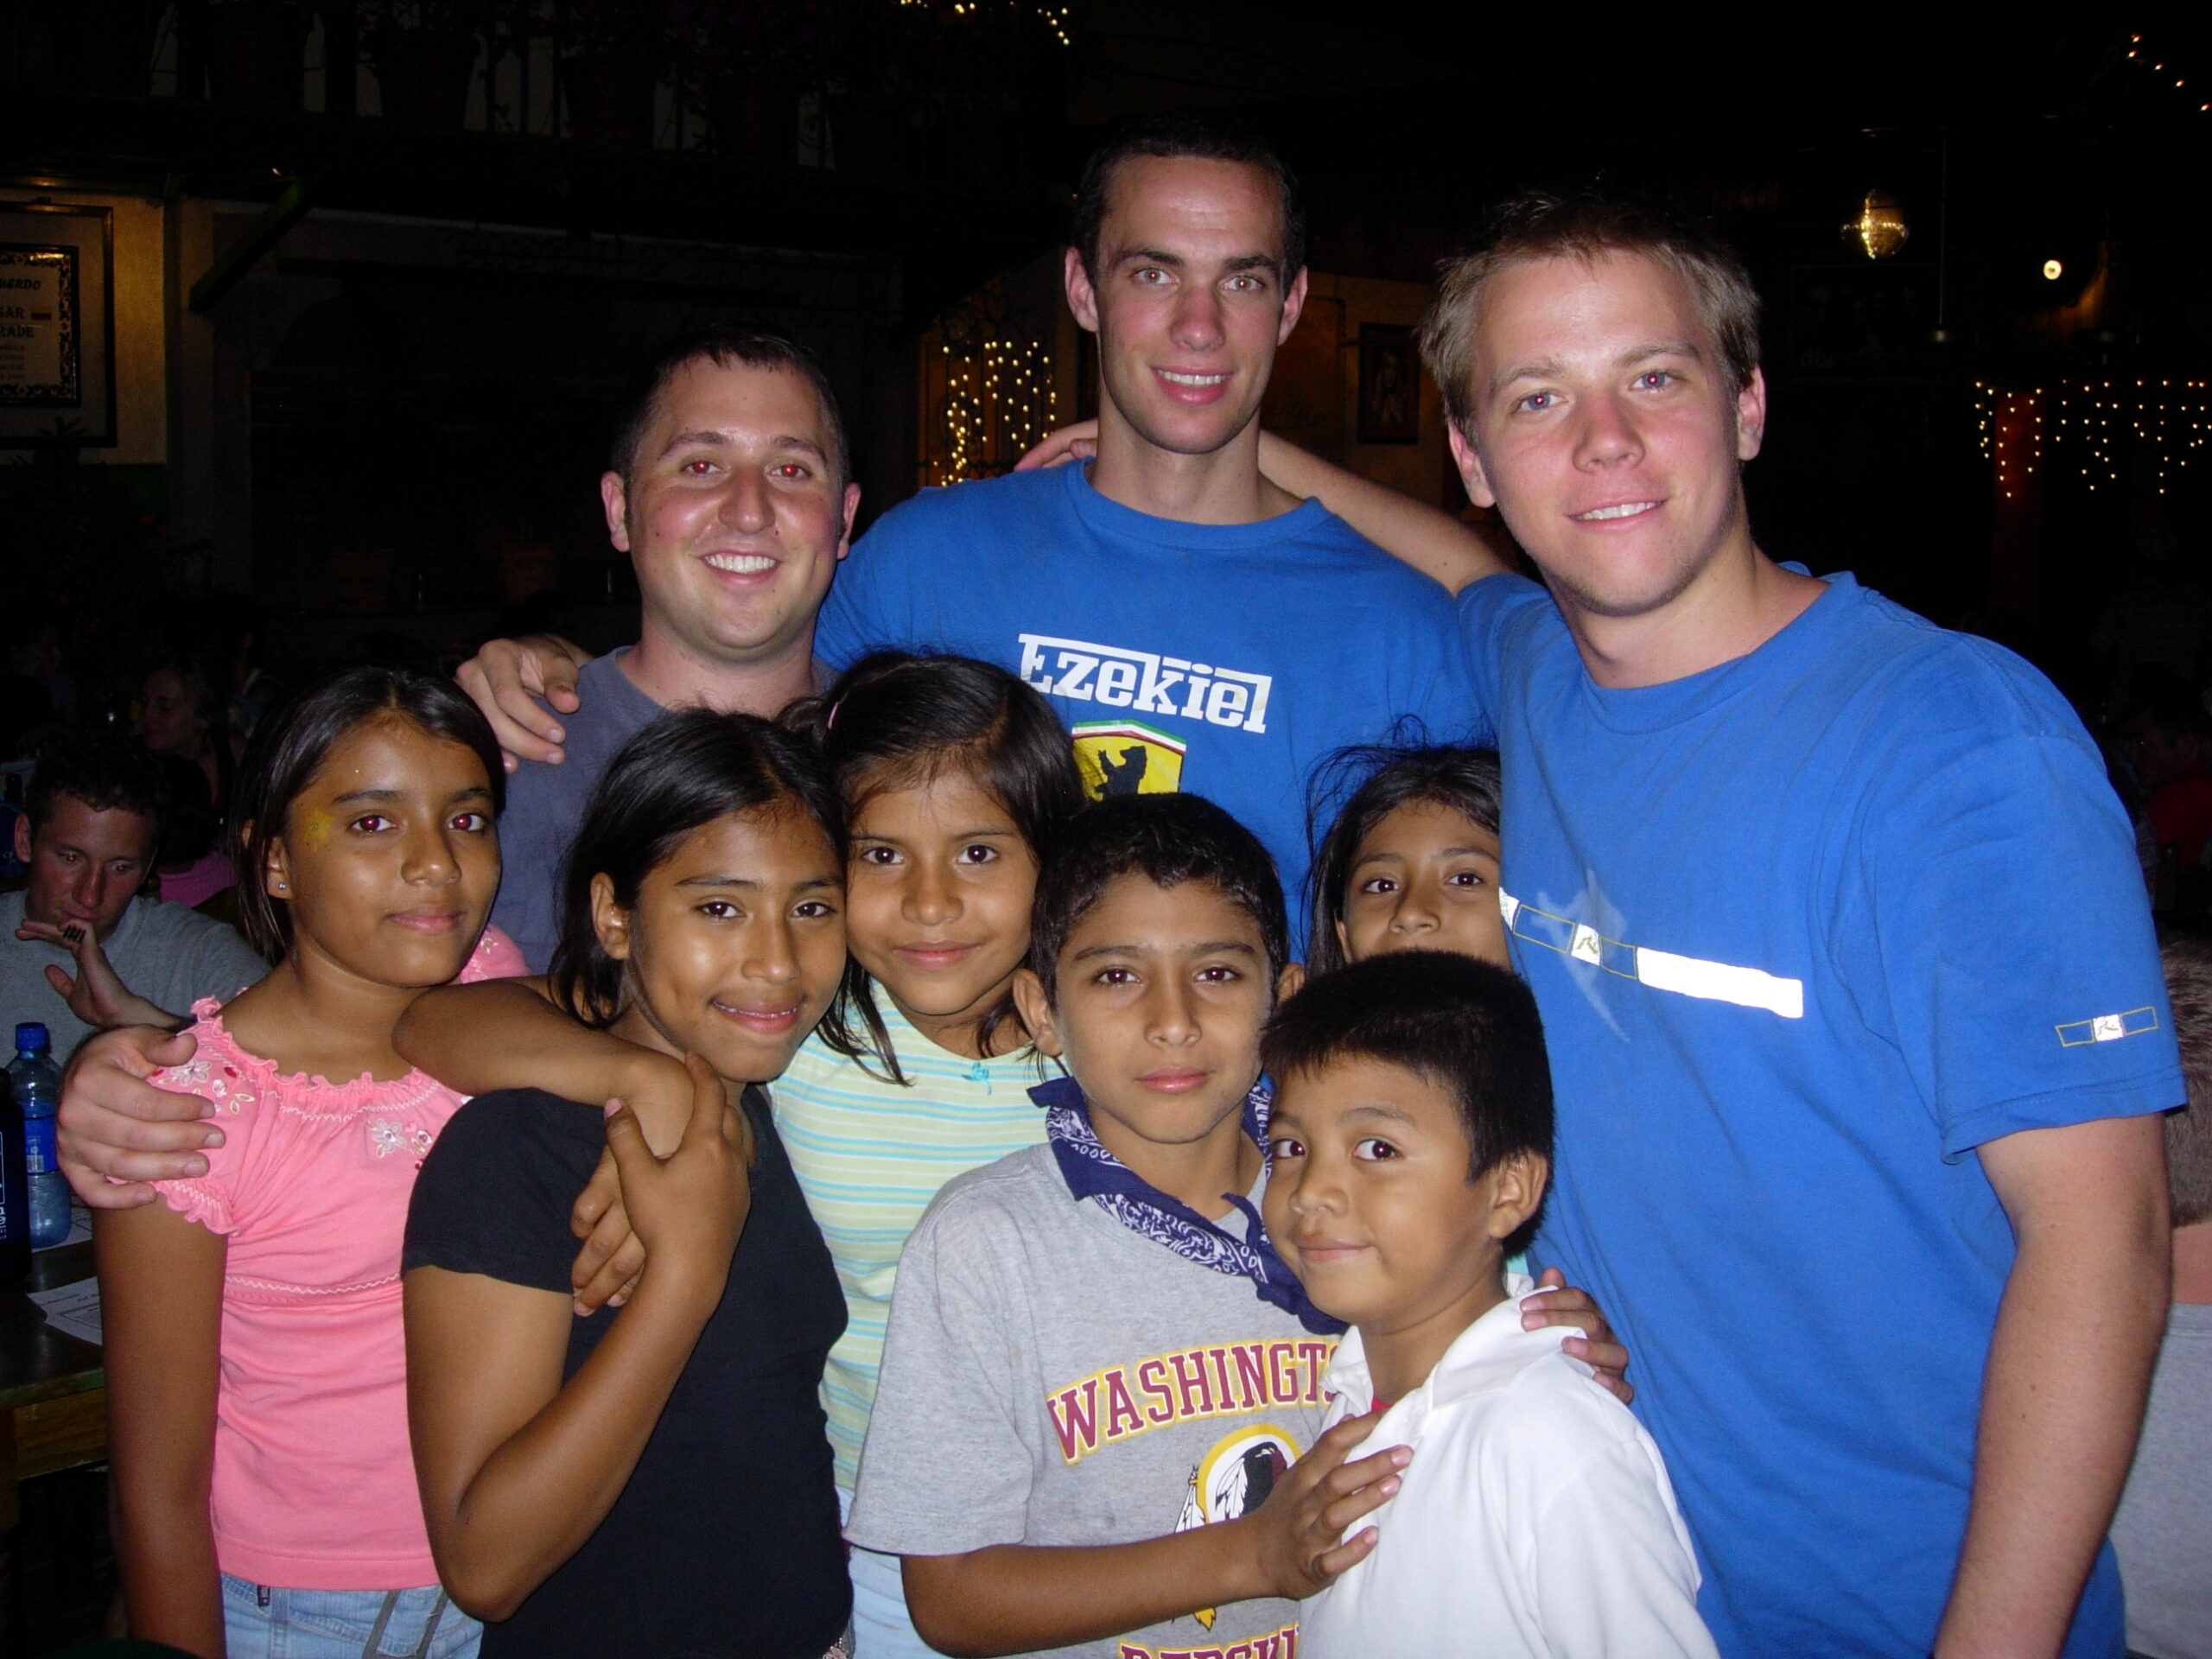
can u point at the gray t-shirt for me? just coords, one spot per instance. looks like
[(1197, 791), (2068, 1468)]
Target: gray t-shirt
[(2163, 1530), (168, 955), (1050, 1377), (545, 804)]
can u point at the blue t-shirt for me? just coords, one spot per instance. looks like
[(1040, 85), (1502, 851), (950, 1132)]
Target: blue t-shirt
[(1807, 929), (1225, 659)]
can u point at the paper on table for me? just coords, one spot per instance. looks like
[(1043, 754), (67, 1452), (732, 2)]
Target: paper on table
[(73, 1308)]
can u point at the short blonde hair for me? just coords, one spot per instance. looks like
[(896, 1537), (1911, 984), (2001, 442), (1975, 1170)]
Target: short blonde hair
[(1538, 225)]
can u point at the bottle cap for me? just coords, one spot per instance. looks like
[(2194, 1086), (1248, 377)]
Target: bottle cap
[(31, 1038)]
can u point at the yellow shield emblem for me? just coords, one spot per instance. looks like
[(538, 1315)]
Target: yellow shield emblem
[(1124, 758)]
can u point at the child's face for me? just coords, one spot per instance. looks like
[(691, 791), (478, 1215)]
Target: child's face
[(388, 857), (939, 883), (1162, 993), (736, 944), (1424, 879), (1369, 1203)]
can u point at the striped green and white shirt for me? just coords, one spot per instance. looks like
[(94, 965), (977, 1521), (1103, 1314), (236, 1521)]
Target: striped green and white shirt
[(870, 1155)]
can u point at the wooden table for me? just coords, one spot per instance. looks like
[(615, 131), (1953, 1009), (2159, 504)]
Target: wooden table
[(53, 1391)]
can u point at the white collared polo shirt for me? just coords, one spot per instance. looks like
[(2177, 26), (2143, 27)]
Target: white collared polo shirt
[(1535, 1522)]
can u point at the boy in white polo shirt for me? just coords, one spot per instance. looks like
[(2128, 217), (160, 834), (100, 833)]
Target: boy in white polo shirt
[(1411, 1142)]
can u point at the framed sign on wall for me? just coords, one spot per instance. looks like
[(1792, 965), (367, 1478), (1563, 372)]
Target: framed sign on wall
[(57, 325)]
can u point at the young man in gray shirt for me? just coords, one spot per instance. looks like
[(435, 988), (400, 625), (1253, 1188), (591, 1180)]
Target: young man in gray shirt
[(81, 948)]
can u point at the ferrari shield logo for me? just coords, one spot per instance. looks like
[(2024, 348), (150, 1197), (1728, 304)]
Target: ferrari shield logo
[(1126, 758)]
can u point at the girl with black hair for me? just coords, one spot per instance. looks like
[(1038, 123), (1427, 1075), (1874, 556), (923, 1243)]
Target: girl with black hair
[(653, 1480), (256, 1399), (1410, 862)]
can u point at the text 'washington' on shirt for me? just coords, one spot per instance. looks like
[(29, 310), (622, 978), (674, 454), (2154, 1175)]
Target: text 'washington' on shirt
[(545, 804), (725, 1542), (1224, 659), (1054, 1378), (1806, 930), (870, 1155)]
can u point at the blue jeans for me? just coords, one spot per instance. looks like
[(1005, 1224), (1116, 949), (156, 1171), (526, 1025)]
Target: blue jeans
[(880, 1627), (260, 1622)]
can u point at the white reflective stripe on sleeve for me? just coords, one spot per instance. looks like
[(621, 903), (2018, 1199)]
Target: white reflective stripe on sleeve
[(1716, 981)]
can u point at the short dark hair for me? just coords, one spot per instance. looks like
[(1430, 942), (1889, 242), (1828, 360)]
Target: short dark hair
[(1468, 1027), (108, 774), (727, 347), (289, 746), (1463, 780), (1539, 225), (682, 772), (895, 720), (1169, 137), (1168, 840), (2188, 1130)]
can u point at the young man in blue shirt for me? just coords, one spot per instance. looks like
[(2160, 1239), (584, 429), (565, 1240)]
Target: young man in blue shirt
[(1199, 626), (1857, 1028)]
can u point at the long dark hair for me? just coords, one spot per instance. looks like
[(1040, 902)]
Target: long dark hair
[(682, 772), (293, 740), (895, 720), (1391, 776)]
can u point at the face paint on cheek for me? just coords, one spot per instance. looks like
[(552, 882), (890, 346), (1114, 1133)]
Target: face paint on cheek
[(316, 827)]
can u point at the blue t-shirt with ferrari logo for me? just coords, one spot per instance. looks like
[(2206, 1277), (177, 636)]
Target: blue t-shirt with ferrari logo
[(1808, 929), (1224, 659)]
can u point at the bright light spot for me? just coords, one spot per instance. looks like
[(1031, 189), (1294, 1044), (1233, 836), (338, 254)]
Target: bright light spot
[(2052, 270)]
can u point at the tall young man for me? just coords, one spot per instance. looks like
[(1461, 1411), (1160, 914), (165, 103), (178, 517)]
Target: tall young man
[(1856, 1020)]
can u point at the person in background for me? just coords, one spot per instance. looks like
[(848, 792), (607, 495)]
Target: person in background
[(83, 948), (181, 713), (194, 871), (2169, 740), (2163, 1530)]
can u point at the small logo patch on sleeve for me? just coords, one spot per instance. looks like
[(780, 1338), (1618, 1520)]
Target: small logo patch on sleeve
[(2107, 1028)]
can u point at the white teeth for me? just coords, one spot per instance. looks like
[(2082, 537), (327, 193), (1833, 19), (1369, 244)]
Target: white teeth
[(1175, 379), (743, 564), (1626, 509)]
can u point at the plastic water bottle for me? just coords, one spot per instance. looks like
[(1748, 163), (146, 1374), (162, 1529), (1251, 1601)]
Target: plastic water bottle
[(15, 1192), (35, 1082)]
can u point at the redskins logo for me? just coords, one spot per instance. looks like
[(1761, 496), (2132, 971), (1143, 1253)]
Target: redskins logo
[(1234, 1478)]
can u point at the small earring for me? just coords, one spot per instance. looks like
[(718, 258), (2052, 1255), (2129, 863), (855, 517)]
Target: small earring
[(280, 887)]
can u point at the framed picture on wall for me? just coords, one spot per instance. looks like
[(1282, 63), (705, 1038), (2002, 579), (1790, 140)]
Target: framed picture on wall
[(57, 325), (1389, 384)]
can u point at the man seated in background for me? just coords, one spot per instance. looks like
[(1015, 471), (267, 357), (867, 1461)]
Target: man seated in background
[(81, 948), (2167, 732)]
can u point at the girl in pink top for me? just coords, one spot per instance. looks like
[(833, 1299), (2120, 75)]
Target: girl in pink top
[(257, 1413)]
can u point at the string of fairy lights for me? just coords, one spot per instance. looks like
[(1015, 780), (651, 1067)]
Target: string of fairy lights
[(2168, 420), (1053, 17), (999, 401), (2137, 52)]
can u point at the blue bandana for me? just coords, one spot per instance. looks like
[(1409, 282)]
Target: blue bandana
[(1093, 1172)]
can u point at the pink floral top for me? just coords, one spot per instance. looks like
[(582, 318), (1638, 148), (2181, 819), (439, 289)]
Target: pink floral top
[(313, 1484)]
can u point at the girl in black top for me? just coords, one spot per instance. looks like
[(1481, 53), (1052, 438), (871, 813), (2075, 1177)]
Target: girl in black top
[(654, 1480)]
